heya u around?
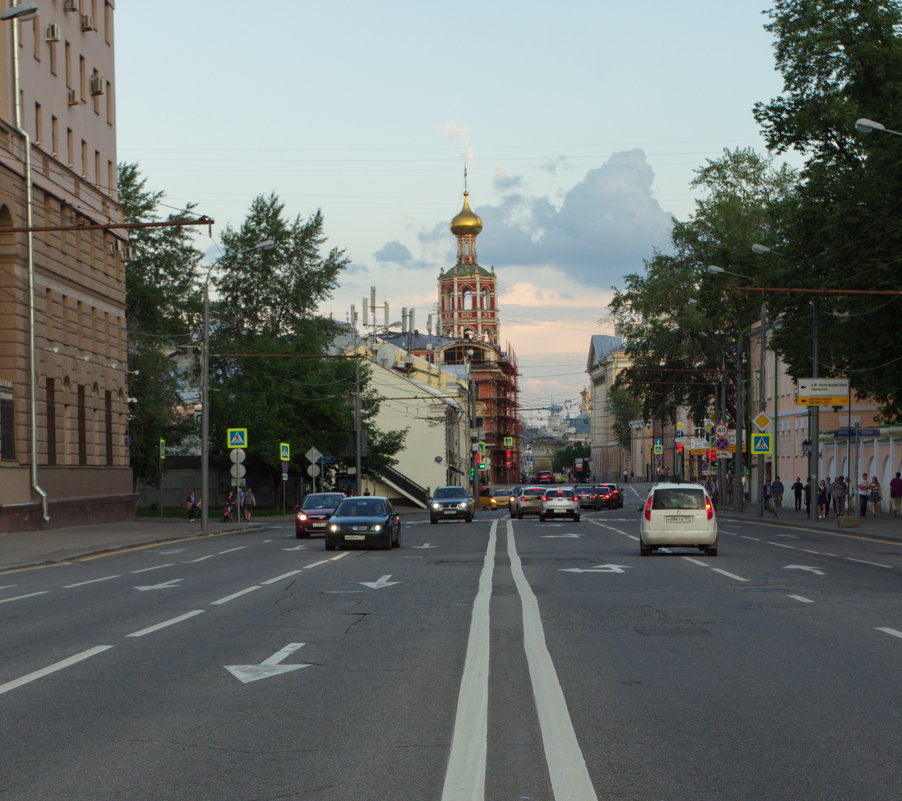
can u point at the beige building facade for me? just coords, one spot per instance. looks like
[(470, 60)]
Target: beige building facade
[(64, 455)]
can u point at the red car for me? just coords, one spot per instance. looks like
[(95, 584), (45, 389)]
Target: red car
[(314, 513)]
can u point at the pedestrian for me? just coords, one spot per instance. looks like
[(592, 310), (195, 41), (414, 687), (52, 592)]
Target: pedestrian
[(248, 503), (191, 505), (829, 485), (822, 500), (228, 508), (895, 494), (797, 492), (840, 491), (625, 476), (777, 490), (767, 498), (808, 497), (875, 495), (864, 492)]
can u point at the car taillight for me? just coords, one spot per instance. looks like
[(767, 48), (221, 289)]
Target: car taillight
[(544, 498), (648, 509), (709, 508)]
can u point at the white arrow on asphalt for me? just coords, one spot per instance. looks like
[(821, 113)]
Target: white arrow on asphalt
[(597, 569), (814, 570), (268, 667), (166, 585), (561, 536), (425, 545), (378, 585), (296, 548)]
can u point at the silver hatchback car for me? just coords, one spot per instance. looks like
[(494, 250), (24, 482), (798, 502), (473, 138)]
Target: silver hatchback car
[(680, 515), (559, 502)]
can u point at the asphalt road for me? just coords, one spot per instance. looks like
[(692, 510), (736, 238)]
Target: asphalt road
[(497, 660)]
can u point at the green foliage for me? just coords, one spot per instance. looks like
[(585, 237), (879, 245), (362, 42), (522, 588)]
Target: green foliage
[(161, 297), (841, 60), (564, 458), (623, 408)]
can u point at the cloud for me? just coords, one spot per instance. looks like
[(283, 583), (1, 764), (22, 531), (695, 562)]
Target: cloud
[(393, 252), (504, 182), (459, 135)]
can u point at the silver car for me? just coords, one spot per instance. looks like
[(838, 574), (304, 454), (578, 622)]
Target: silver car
[(559, 502), (528, 501), (678, 515)]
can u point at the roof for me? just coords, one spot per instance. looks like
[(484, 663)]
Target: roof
[(466, 269)]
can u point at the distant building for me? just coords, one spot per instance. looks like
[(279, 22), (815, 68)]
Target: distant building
[(606, 361), (63, 391)]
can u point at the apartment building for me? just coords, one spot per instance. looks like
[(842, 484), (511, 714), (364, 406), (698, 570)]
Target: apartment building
[(63, 376)]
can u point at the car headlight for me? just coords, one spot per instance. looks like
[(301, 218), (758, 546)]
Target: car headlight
[(302, 517), (436, 506), (463, 505), (334, 528), (377, 527)]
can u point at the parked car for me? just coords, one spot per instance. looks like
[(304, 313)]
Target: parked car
[(528, 501), (678, 514), (496, 498), (314, 513), (562, 502), (451, 503), (588, 497), (364, 520)]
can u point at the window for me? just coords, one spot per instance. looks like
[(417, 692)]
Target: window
[(51, 421), (54, 136), (82, 426), (38, 123), (7, 431), (68, 65), (108, 426)]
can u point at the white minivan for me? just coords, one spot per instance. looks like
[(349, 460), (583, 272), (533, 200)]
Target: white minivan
[(678, 514)]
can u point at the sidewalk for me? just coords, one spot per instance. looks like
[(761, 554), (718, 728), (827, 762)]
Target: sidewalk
[(33, 548), (883, 527)]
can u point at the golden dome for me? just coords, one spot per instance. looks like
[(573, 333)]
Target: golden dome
[(466, 222)]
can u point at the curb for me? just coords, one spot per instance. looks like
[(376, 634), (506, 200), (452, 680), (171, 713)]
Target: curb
[(858, 533)]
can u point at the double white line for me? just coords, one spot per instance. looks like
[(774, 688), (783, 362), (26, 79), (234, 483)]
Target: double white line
[(465, 777)]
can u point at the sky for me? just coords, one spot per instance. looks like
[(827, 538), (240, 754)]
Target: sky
[(580, 123)]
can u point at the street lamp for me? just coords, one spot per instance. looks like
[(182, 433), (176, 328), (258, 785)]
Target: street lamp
[(266, 244), (20, 13), (866, 126)]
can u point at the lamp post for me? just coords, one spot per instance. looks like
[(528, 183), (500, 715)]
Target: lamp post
[(865, 126), (15, 14), (266, 244), (740, 410)]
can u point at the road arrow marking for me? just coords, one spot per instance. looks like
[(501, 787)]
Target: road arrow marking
[(597, 569), (805, 567), (378, 585), (561, 536), (425, 545), (168, 585), (268, 667)]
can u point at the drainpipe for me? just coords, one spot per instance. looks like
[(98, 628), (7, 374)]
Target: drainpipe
[(29, 244)]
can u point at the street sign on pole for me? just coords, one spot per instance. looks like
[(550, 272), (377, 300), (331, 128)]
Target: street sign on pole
[(236, 437), (284, 451)]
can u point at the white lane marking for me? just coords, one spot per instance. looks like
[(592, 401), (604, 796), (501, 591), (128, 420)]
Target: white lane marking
[(891, 632), (465, 774), (22, 597), (235, 595), (202, 559), (68, 662), (92, 581), (866, 562), (567, 770), (728, 575), (801, 598), (747, 537), (148, 569), (268, 667), (165, 623), (611, 528), (696, 561), (783, 545), (342, 555), (317, 564), (232, 550), (283, 576)]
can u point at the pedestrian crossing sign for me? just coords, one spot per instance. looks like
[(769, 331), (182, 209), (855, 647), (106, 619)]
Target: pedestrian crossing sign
[(762, 444), (285, 451), (236, 437)]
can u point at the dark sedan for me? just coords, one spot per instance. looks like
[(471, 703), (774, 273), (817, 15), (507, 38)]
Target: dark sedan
[(363, 521), (312, 516), (451, 503)]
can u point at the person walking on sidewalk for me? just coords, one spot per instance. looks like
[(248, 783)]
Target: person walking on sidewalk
[(829, 485), (895, 494), (191, 505), (777, 489), (248, 503), (875, 495), (808, 497), (840, 490), (797, 490), (822, 500), (864, 492)]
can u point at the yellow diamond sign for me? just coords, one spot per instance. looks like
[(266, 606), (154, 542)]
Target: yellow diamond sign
[(762, 421)]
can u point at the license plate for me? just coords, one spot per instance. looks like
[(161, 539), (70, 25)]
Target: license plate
[(355, 536), (677, 519), (561, 511), (450, 511), (318, 525)]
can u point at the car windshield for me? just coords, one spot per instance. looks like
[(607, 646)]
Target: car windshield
[(327, 500), (532, 492), (502, 491), (583, 490), (360, 507), (682, 498), (450, 492), (559, 494)]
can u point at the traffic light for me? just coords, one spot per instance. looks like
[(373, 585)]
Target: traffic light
[(680, 448), (712, 459), (472, 472), (507, 458)]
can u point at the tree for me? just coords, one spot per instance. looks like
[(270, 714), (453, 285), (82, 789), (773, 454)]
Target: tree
[(623, 408), (161, 301), (840, 60), (680, 328)]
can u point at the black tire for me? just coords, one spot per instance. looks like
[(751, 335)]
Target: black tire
[(711, 550), (329, 545), (519, 515), (541, 518), (512, 514), (297, 535), (469, 519), (644, 550), (576, 518), (433, 520), (388, 544), (397, 542)]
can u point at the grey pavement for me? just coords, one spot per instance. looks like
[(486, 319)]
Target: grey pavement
[(24, 549)]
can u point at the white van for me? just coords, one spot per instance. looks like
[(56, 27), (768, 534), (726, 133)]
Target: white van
[(678, 514)]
